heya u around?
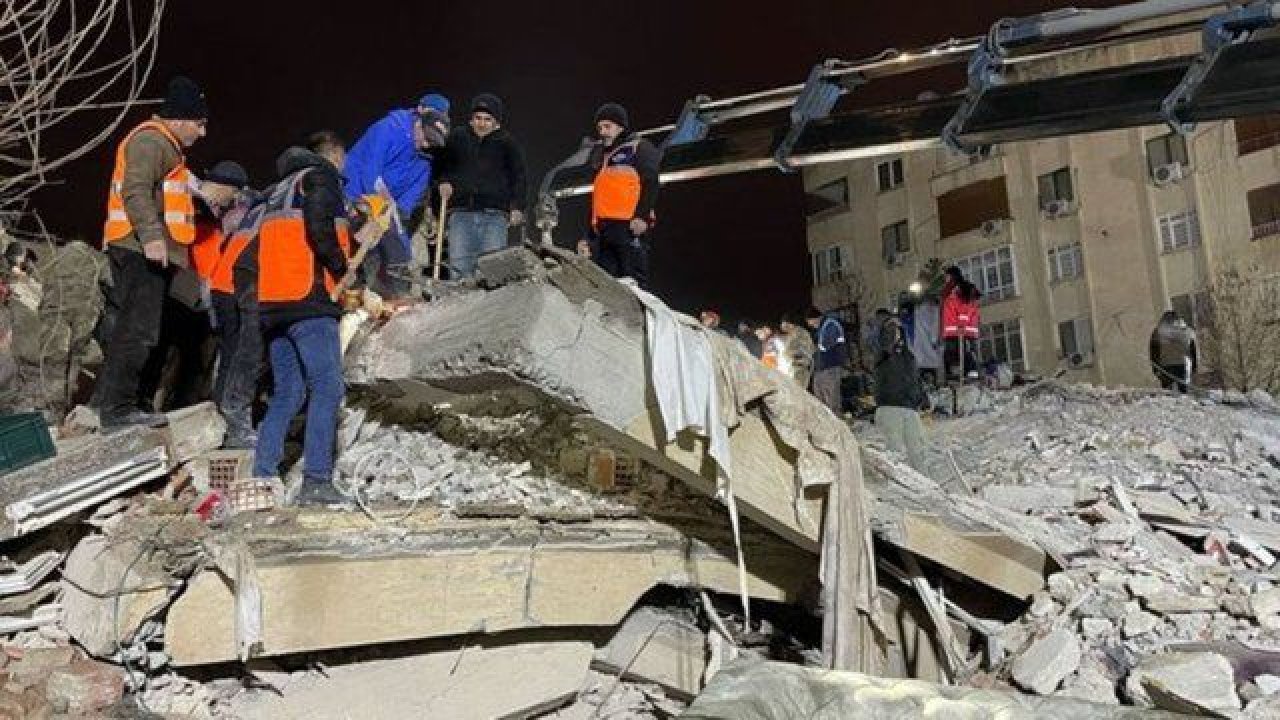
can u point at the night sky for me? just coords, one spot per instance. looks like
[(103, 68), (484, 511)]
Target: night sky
[(275, 70)]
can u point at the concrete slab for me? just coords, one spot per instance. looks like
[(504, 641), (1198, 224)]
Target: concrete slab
[(657, 647)]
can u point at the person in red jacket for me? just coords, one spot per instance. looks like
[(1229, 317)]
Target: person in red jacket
[(960, 321)]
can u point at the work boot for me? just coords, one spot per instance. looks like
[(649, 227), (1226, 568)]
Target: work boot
[(112, 421), (320, 493)]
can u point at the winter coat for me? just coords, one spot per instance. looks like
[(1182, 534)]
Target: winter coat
[(1173, 343), (387, 150), (960, 318), (486, 173), (833, 349), (898, 380)]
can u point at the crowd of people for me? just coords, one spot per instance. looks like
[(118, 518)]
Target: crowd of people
[(205, 261)]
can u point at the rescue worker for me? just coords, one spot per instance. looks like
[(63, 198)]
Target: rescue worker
[(482, 176), (1174, 358), (300, 252), (150, 224), (179, 371), (899, 396), (398, 152), (623, 196), (218, 245), (960, 325), (831, 360)]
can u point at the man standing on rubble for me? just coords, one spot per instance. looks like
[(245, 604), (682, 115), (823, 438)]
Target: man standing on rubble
[(832, 357), (482, 177), (397, 151), (623, 196), (301, 252), (150, 223), (900, 395), (1173, 352)]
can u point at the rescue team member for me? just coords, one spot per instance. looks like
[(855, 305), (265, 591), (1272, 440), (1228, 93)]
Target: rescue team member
[(150, 224), (397, 150), (219, 241), (186, 330), (622, 197), (960, 325), (300, 252)]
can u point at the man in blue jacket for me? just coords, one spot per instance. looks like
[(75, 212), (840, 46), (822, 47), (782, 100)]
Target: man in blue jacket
[(398, 151)]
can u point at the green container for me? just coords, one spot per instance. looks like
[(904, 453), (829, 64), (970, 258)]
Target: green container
[(24, 439)]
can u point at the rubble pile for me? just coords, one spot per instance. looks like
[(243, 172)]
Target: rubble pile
[(1163, 510), (510, 461)]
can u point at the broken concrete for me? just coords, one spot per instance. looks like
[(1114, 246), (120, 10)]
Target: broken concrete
[(470, 683), (657, 647), (1049, 660), (1192, 683)]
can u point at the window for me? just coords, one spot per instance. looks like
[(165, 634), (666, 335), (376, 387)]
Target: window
[(1076, 337), (967, 208), (1056, 186), (1264, 211), (1178, 231), (828, 265), (1066, 262), (1168, 149), (827, 199), (992, 271), (1257, 133), (895, 242), (1193, 309), (1002, 342), (889, 174)]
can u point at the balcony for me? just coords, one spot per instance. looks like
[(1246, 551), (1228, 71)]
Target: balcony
[(1266, 229)]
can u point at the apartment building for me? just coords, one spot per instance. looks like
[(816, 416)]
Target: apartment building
[(1078, 243)]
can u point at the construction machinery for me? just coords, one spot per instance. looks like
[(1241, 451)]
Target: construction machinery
[(1015, 91)]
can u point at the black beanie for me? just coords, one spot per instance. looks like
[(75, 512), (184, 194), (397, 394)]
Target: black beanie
[(489, 103), (228, 173), (615, 112), (184, 101)]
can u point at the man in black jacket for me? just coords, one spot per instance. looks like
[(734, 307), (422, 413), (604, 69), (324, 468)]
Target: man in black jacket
[(483, 177), (899, 395), (623, 196), (302, 250)]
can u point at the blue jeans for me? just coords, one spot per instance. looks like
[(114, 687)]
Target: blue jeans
[(473, 233), (306, 362)]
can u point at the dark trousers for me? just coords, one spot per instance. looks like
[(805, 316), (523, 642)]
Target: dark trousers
[(136, 301), (239, 365), (1172, 376), (956, 369), (180, 365), (619, 252)]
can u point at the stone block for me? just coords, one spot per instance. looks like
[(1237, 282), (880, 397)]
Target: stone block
[(1049, 660), (1192, 683), (1167, 603), (85, 686), (653, 646)]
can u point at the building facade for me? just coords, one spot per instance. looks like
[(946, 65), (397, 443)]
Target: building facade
[(1077, 243)]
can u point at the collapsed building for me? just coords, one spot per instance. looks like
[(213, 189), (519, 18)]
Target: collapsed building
[(524, 505)]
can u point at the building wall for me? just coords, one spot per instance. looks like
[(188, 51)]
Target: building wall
[(1128, 279)]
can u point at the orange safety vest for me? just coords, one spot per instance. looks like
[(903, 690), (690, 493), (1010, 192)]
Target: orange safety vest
[(615, 194), (179, 206), (222, 279), (286, 264), (206, 249)]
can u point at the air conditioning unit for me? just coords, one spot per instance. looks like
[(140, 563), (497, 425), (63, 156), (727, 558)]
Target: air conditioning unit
[(1059, 208), (1167, 174), (991, 228)]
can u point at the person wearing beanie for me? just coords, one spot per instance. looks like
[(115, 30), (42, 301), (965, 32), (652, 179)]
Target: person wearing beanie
[(150, 225), (623, 196), (397, 152), (482, 177)]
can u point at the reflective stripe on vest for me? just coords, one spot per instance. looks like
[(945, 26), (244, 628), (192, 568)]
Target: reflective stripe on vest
[(179, 210), (615, 194), (286, 264), (223, 276)]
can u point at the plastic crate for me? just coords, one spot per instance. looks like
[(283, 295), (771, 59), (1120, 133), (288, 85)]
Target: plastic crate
[(24, 439)]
